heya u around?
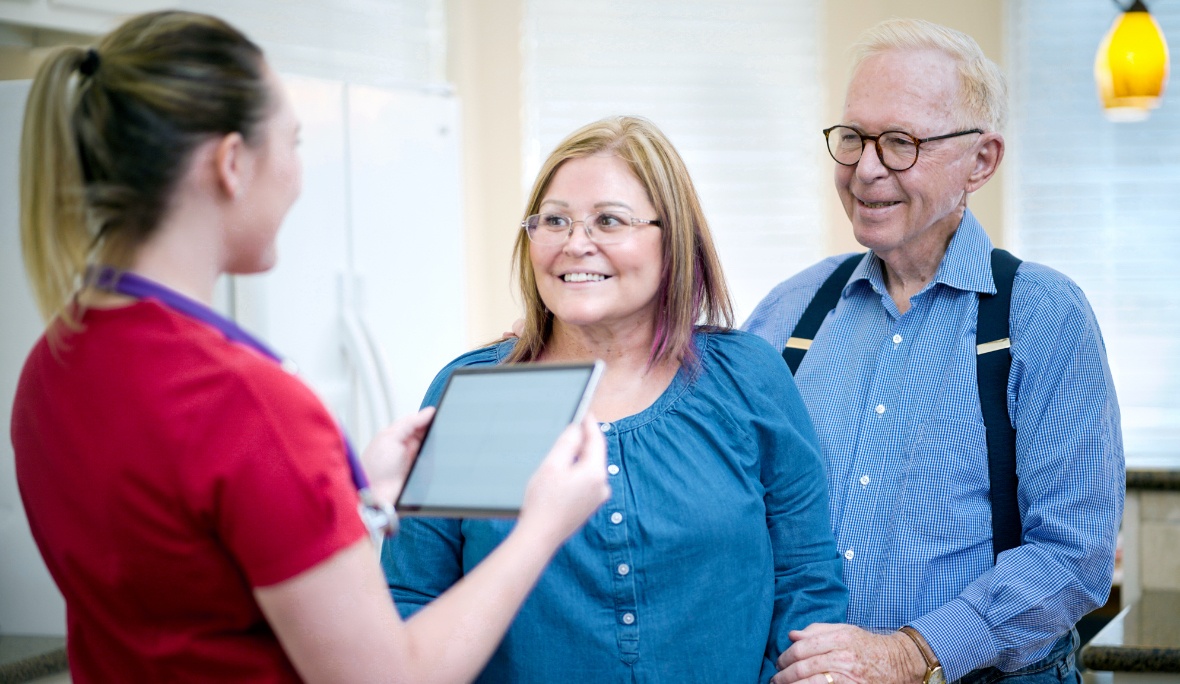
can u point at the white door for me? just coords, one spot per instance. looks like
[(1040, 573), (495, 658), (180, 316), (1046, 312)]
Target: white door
[(367, 297), (408, 247)]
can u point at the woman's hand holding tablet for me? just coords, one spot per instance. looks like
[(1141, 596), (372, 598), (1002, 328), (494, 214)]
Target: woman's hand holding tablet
[(388, 457)]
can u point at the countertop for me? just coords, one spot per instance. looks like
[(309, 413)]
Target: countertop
[(1144, 637), (23, 658), (1153, 478), (1148, 472)]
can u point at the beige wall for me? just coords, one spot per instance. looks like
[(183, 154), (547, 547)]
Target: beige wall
[(485, 62), (1151, 543)]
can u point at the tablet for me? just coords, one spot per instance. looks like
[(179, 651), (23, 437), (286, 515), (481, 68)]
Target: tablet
[(493, 427)]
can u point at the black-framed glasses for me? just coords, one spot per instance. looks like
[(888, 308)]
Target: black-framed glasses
[(897, 150), (602, 228)]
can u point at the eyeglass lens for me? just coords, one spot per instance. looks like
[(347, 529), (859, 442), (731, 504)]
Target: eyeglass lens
[(603, 228), (898, 151)]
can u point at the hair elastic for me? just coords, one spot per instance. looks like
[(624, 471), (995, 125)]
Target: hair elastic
[(89, 63)]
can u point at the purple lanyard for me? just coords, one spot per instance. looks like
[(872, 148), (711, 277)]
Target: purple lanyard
[(380, 519)]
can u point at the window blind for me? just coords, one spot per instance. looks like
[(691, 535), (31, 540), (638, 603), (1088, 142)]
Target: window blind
[(387, 43), (735, 86), (1094, 199)]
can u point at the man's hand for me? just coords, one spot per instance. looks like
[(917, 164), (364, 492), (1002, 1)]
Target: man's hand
[(516, 331), (847, 654)]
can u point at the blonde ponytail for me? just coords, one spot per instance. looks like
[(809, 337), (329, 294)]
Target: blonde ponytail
[(108, 133), (55, 238)]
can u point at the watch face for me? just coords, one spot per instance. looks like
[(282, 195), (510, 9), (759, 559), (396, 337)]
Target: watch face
[(935, 676)]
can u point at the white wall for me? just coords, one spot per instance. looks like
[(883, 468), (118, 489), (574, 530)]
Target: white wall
[(29, 601)]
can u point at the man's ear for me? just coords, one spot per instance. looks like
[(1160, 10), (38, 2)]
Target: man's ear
[(231, 164), (989, 152)]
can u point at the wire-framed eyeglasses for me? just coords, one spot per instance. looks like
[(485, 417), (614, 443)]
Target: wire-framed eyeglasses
[(897, 150), (602, 228)]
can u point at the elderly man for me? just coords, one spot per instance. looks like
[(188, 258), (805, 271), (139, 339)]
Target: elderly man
[(896, 380)]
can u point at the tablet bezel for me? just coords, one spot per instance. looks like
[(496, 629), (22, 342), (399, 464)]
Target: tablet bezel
[(596, 369)]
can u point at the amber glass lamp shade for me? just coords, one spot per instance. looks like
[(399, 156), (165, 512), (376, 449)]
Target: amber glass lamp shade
[(1131, 68)]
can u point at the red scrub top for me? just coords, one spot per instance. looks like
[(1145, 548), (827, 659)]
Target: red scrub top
[(166, 472)]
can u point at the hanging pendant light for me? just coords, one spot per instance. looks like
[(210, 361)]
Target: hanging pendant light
[(1131, 67)]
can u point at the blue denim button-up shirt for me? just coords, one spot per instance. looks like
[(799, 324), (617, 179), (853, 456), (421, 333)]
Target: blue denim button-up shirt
[(896, 406), (714, 543)]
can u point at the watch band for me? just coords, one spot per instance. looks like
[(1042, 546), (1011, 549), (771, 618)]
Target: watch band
[(923, 647)]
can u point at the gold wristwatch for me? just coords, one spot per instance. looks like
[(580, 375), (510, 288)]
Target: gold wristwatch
[(933, 668)]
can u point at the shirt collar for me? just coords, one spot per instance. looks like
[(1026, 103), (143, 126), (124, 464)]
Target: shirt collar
[(966, 265)]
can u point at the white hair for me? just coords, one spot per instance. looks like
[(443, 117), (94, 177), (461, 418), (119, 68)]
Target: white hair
[(983, 92)]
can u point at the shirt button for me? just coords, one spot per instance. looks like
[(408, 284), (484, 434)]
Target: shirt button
[(849, 554), (605, 427), (880, 409), (864, 480), (897, 339), (290, 366), (628, 618), (616, 517), (612, 469), (623, 570)]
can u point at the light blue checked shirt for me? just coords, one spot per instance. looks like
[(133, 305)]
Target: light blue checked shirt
[(895, 402)]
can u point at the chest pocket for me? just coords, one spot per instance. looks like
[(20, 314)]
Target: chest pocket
[(946, 483)]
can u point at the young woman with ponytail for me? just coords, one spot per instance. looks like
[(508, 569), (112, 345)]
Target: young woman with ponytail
[(191, 499)]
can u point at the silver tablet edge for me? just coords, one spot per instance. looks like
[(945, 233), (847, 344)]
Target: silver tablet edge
[(588, 393)]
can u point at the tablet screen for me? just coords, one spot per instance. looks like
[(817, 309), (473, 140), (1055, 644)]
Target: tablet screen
[(493, 428)]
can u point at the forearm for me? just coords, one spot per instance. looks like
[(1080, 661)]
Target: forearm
[(452, 638), (1013, 613), (336, 623)]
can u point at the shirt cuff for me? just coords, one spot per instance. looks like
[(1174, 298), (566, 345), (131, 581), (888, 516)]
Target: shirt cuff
[(959, 637)]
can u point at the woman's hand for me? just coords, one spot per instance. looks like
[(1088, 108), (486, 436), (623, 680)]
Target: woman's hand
[(388, 457), (569, 485)]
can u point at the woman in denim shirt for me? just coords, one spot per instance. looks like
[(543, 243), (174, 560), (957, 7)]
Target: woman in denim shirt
[(716, 541)]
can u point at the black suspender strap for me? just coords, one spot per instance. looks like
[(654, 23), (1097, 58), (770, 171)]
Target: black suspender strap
[(992, 370), (813, 317), (993, 361)]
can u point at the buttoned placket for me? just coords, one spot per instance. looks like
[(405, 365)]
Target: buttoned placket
[(878, 416), (617, 534)]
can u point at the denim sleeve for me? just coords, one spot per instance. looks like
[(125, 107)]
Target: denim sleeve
[(807, 567), (422, 562), (1069, 459)]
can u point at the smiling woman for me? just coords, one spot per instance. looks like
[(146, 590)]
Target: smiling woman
[(715, 542)]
